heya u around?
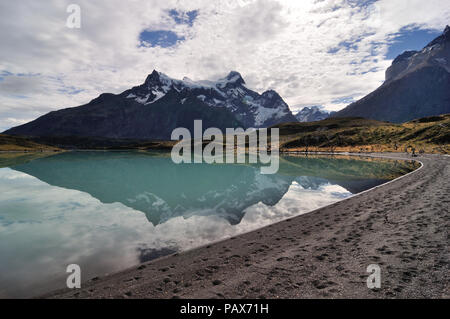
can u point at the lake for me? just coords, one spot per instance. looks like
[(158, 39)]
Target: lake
[(107, 211)]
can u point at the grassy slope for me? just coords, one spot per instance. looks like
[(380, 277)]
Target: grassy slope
[(20, 144), (431, 135)]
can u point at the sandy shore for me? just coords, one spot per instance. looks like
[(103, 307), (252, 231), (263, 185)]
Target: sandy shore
[(401, 226)]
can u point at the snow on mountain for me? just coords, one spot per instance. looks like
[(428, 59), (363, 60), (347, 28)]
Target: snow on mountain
[(249, 107), (312, 114)]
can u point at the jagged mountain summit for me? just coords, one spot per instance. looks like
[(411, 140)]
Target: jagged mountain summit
[(250, 108), (312, 114), (436, 53), (417, 85), (161, 104)]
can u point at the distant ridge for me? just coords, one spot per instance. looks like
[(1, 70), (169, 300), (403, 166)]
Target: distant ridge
[(312, 114)]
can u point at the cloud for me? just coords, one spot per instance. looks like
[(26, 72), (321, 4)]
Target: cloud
[(311, 52), (21, 85), (183, 17)]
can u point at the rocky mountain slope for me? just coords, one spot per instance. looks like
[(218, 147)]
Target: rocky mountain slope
[(312, 114), (161, 104), (417, 85)]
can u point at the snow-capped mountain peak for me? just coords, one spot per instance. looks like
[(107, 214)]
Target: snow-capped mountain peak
[(152, 78), (233, 78), (249, 107), (312, 114)]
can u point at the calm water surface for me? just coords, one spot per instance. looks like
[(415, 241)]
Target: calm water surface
[(107, 211)]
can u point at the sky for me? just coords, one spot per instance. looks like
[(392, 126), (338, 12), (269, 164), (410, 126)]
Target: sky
[(312, 52)]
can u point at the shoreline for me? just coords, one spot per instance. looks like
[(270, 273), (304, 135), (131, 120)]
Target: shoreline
[(289, 261)]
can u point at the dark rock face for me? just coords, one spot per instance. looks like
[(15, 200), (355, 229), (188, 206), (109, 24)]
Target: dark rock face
[(399, 65), (444, 38), (418, 94), (312, 114), (161, 104), (417, 85)]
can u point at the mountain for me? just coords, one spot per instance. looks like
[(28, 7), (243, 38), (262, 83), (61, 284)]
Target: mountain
[(417, 85), (161, 104), (312, 114)]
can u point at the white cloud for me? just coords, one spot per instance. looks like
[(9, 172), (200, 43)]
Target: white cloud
[(281, 45)]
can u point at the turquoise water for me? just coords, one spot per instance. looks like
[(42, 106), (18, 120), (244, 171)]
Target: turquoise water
[(107, 211)]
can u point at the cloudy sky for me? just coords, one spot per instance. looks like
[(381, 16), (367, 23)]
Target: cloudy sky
[(313, 52)]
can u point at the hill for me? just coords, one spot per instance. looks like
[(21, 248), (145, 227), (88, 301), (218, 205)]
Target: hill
[(430, 135), (21, 144)]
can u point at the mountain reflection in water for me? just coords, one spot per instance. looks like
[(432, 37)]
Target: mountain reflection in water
[(107, 211), (162, 190)]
